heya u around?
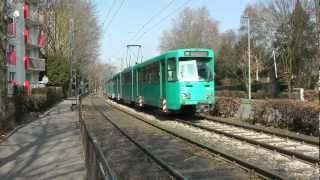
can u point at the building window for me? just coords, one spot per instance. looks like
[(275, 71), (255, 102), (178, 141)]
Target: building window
[(11, 48), (28, 52), (12, 76), (28, 76)]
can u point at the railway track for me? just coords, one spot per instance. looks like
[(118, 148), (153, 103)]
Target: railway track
[(182, 159), (267, 130), (292, 148), (278, 156)]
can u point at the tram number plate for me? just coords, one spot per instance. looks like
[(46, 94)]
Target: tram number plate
[(196, 53)]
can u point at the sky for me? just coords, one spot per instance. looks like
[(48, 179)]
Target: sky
[(121, 20)]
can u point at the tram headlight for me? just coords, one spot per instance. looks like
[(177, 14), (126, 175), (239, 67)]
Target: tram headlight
[(185, 95), (209, 96)]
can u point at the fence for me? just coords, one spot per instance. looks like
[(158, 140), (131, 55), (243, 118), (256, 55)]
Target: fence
[(96, 165)]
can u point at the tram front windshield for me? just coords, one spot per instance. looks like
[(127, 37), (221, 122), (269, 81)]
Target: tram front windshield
[(195, 70)]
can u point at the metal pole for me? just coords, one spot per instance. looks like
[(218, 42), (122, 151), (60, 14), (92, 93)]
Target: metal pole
[(257, 70), (249, 60), (275, 64), (129, 52), (319, 84), (70, 56), (317, 4)]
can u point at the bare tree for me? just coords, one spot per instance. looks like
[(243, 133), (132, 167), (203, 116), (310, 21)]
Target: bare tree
[(98, 74), (86, 32), (194, 28), (296, 45)]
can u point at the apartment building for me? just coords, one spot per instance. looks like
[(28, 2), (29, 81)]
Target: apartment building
[(25, 44)]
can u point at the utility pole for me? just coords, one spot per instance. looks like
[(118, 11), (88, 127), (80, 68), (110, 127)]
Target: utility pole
[(275, 64), (257, 70), (71, 39), (317, 5), (249, 56)]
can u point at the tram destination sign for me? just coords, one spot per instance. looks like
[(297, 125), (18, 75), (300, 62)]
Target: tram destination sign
[(196, 53)]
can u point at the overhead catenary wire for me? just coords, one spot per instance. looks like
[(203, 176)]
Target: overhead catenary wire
[(108, 12), (164, 18), (160, 11), (114, 15)]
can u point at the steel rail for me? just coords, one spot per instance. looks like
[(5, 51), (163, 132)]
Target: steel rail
[(164, 165), (98, 151), (313, 141), (107, 173), (250, 166), (255, 142)]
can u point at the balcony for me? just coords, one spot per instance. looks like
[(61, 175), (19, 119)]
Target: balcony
[(12, 58), (34, 42), (26, 61), (33, 1), (37, 64), (27, 87), (26, 36), (11, 29), (26, 11), (41, 41)]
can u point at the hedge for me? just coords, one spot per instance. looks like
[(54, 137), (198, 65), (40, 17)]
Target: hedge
[(309, 95), (40, 100), (226, 107), (297, 116)]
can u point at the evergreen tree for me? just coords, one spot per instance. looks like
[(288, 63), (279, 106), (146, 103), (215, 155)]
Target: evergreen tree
[(57, 70), (295, 43)]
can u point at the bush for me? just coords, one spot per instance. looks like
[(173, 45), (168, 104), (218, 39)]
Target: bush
[(19, 99), (37, 103), (43, 98), (226, 107), (296, 116), (40, 100), (311, 95), (302, 117), (229, 93)]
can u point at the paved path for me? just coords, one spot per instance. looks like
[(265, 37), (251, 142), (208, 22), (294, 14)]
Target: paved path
[(48, 148)]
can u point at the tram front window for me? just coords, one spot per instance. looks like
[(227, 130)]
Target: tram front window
[(194, 70)]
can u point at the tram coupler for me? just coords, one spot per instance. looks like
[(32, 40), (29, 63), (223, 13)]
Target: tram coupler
[(202, 107)]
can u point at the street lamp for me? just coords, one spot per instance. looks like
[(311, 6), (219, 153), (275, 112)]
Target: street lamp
[(249, 56)]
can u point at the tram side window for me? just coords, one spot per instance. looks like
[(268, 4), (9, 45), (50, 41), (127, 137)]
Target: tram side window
[(143, 74), (150, 74), (155, 73), (127, 78), (172, 69)]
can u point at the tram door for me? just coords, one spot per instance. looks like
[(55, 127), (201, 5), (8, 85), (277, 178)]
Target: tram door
[(163, 80), (137, 79)]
